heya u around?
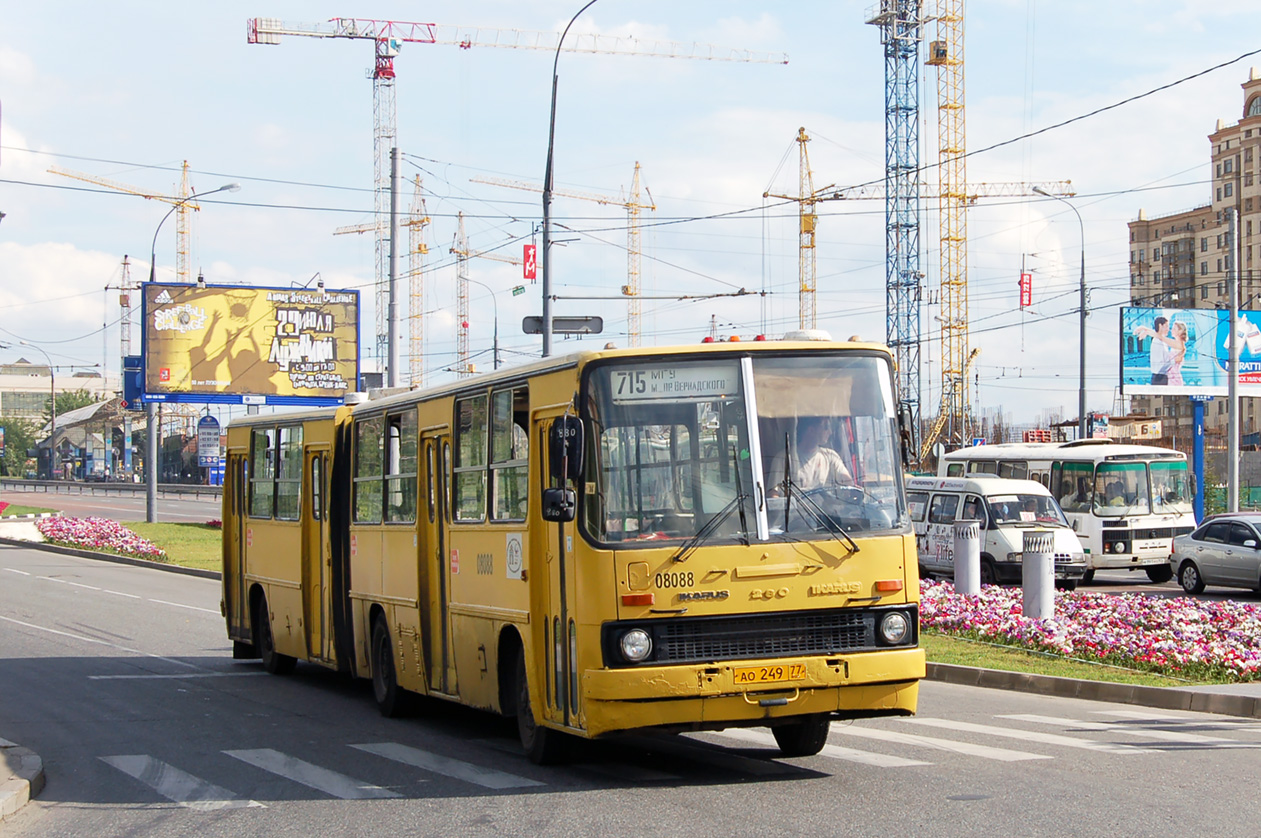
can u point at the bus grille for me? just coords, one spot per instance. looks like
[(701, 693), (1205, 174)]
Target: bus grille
[(766, 636)]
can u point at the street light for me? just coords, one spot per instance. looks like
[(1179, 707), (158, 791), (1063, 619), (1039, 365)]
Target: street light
[(546, 264), (494, 299), (1081, 312), (151, 408), (52, 400)]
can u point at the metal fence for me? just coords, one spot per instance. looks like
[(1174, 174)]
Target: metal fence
[(76, 487)]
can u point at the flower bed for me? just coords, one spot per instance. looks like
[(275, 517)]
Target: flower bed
[(98, 534), (1178, 636)]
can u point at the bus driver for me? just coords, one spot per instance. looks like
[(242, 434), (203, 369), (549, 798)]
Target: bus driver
[(815, 465)]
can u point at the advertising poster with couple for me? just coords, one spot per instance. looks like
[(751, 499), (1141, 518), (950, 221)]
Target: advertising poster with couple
[(1184, 351)]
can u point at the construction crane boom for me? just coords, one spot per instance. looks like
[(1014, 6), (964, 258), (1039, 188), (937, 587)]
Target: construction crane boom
[(807, 196), (388, 37), (634, 255), (183, 249)]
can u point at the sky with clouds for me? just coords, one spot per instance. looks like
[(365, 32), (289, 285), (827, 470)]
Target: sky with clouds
[(130, 90)]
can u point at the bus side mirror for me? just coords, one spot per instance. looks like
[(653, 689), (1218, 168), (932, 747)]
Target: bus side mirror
[(566, 449), (906, 422), (559, 505)]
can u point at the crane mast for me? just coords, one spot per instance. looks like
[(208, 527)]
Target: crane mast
[(634, 254)]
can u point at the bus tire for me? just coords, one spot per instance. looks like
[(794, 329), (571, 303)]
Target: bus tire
[(273, 661), (1159, 573), (390, 697), (542, 745), (804, 737)]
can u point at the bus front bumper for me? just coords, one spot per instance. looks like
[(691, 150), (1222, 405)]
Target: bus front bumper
[(708, 697)]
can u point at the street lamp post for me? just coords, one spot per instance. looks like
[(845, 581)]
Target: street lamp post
[(52, 402), (1081, 313), (546, 262), (151, 408), (494, 299)]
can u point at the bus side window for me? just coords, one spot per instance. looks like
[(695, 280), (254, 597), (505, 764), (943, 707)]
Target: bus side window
[(400, 467), (942, 509), (954, 470)]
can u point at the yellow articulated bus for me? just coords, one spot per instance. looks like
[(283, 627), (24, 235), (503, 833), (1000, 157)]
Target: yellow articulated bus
[(673, 539)]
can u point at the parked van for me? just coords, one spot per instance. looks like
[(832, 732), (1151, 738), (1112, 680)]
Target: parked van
[(1007, 509)]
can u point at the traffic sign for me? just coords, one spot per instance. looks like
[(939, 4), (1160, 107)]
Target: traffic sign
[(564, 325)]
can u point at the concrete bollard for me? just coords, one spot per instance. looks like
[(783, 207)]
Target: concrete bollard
[(1038, 574), (967, 557)]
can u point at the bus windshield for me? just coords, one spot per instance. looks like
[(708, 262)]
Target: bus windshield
[(1171, 487), (677, 453), (1025, 509), (1121, 489)]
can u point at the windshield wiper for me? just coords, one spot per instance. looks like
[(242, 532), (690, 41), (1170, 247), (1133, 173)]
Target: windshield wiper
[(821, 517), (711, 526)]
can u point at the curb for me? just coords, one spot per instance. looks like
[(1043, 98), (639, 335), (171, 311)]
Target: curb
[(21, 777), (29, 516), (110, 557), (1163, 698)]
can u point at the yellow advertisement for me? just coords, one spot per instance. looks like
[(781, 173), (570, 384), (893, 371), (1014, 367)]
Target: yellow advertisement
[(288, 342)]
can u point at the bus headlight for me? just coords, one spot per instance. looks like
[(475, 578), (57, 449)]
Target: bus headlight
[(1118, 547), (894, 628), (636, 645)]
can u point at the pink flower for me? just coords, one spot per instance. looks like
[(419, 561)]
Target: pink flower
[(98, 534)]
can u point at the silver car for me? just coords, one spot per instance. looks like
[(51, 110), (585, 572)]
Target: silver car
[(1225, 551)]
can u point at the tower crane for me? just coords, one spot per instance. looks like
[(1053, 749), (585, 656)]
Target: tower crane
[(417, 250), (183, 206), (463, 363), (634, 206), (389, 36), (806, 197)]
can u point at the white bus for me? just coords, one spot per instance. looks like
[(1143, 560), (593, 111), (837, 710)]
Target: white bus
[(1126, 502)]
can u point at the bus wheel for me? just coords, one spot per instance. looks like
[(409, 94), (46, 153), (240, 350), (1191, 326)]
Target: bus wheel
[(804, 737), (273, 661), (542, 745), (1159, 573), (390, 697)]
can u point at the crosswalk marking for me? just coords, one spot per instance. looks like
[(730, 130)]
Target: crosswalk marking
[(177, 786), (967, 748), (476, 774), (833, 751), (312, 776), (1206, 721), (1029, 736), (1121, 727)]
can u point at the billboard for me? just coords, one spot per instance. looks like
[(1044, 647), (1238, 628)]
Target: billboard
[(235, 344), (1184, 351)]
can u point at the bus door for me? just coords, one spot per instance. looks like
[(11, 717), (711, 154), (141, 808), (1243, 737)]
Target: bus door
[(435, 563), (318, 557), (560, 648), (237, 480)]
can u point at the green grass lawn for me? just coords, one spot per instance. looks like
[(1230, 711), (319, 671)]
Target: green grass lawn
[(18, 509), (187, 545)]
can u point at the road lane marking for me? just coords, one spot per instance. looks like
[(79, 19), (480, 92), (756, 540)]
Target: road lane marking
[(967, 748), (81, 585), (15, 570), (1030, 736), (120, 593), (99, 642), (1121, 727), (190, 607), (832, 751), (447, 767), (312, 776), (177, 786)]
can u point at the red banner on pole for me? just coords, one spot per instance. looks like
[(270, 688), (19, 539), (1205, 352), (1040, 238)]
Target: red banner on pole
[(1026, 290), (527, 262)]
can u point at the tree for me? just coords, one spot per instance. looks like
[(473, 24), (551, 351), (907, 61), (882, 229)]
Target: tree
[(20, 435), (69, 400)]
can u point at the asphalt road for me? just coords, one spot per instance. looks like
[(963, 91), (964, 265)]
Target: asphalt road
[(121, 507), (121, 679)]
